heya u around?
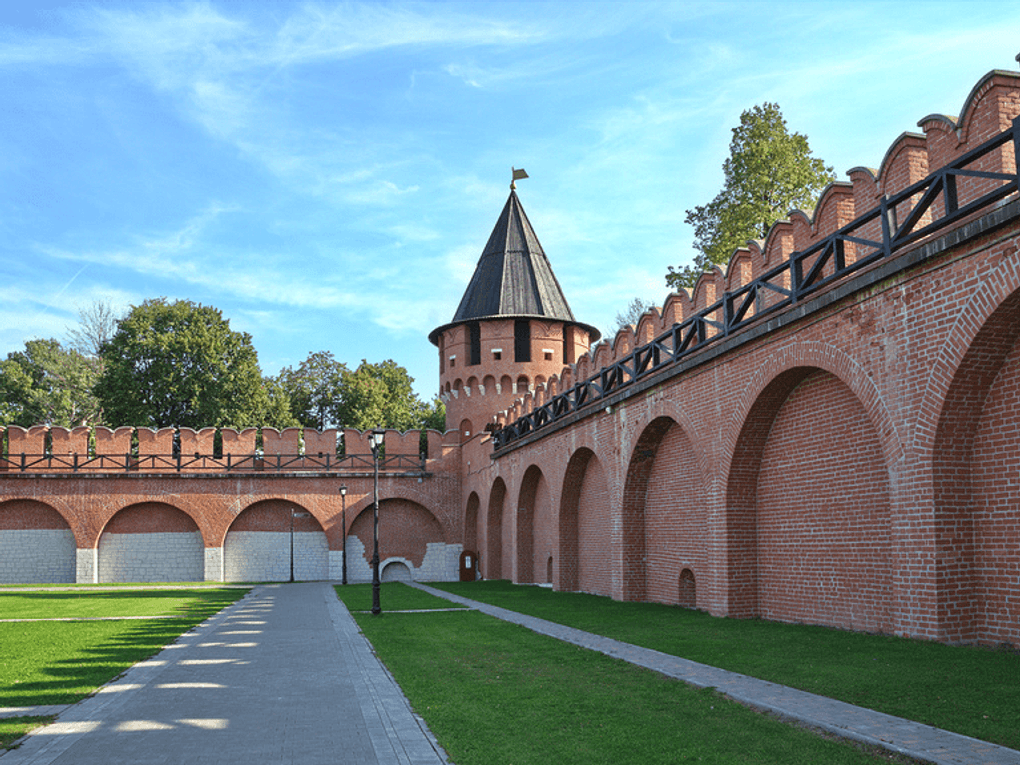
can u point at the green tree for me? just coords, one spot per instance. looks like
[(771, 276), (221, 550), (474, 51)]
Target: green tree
[(96, 324), (631, 316), (379, 395), (48, 384), (768, 173), (313, 390), (434, 415), (180, 364), (278, 412)]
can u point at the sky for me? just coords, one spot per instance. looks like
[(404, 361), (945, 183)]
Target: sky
[(326, 174)]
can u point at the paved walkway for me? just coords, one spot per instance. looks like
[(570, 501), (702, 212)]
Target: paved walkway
[(281, 676), (894, 733), (284, 676)]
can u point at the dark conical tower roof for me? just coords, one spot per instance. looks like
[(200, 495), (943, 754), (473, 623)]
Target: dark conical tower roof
[(513, 278)]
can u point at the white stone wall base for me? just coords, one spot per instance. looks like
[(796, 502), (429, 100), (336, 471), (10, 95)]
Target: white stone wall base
[(214, 564), (265, 556), (441, 564), (152, 557), (37, 556), (86, 565)]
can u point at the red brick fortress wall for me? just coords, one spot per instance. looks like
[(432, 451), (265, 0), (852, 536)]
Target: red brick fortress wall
[(849, 460)]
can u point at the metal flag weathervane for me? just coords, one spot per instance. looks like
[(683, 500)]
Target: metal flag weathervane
[(518, 173)]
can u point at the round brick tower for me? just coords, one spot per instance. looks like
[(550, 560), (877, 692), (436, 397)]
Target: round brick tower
[(512, 331)]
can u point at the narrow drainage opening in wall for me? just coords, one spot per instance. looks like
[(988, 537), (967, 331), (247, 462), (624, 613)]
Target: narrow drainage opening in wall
[(687, 596)]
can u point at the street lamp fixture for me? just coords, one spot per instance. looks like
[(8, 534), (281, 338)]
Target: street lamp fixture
[(375, 440), (343, 526)]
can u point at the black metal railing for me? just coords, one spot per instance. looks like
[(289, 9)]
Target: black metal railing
[(933, 204), (205, 463)]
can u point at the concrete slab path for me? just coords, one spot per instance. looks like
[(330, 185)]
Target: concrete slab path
[(913, 739), (281, 676)]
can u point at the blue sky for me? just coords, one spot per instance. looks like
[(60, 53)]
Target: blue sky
[(327, 174)]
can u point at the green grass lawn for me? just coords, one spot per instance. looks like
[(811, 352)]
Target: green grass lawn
[(393, 596), (493, 692), (82, 604), (130, 585), (967, 689), (48, 662)]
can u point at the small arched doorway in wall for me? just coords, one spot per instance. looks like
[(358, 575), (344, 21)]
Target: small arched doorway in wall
[(408, 534), (272, 538), (687, 596), (396, 571), (36, 544), (151, 542)]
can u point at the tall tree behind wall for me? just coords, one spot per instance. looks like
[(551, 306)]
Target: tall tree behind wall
[(48, 384), (180, 364), (769, 173)]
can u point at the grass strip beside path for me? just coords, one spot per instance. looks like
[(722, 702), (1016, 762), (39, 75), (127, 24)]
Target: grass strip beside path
[(492, 692), (966, 689), (44, 663), (13, 728), (393, 596), (82, 604)]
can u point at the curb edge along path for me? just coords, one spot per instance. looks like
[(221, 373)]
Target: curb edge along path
[(397, 735), (913, 739)]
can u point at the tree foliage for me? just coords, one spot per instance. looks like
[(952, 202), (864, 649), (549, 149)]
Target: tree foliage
[(48, 384), (769, 172), (97, 323), (637, 308), (379, 395), (314, 389), (324, 393), (180, 364)]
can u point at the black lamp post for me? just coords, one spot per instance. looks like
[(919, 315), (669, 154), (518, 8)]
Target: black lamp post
[(375, 440), (294, 514), (343, 525)]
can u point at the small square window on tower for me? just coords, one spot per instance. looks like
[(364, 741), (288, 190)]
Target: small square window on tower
[(547, 354), (497, 354)]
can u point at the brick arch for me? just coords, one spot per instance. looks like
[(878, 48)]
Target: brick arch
[(533, 510), (996, 290), (394, 490), (406, 529), (471, 522), (257, 545), (493, 562), (639, 468), (974, 476), (585, 527), (828, 358), (150, 542), (806, 538), (37, 543), (664, 514)]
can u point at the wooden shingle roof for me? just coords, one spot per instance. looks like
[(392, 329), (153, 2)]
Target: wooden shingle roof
[(513, 278)]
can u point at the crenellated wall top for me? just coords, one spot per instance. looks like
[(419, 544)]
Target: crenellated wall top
[(988, 110), (44, 449)]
